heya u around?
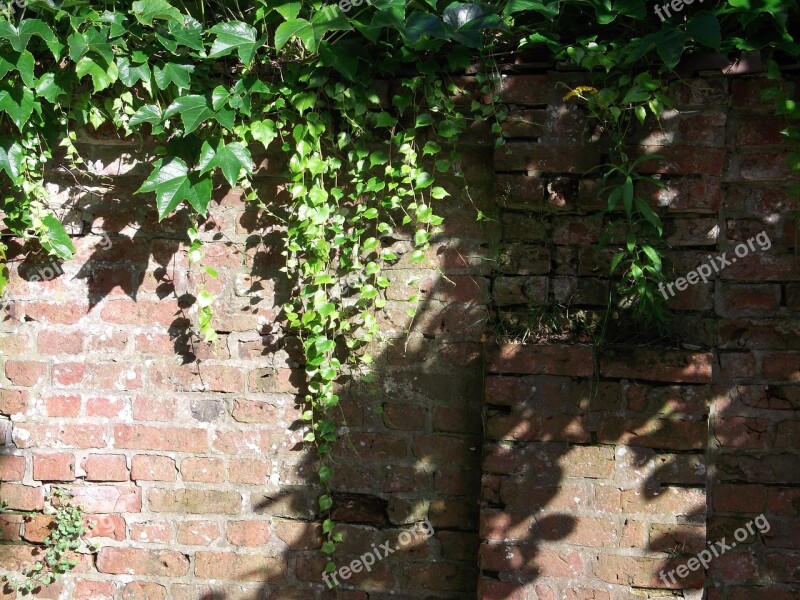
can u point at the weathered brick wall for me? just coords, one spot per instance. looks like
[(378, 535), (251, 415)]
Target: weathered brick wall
[(188, 456), (597, 464), (605, 466)]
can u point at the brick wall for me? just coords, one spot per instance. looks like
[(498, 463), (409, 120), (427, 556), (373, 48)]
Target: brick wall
[(596, 464), (605, 466)]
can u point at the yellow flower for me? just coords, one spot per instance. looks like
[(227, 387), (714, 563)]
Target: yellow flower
[(579, 91)]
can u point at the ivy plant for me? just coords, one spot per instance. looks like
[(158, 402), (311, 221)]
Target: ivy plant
[(367, 105)]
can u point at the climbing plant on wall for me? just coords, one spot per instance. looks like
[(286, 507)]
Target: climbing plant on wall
[(218, 84)]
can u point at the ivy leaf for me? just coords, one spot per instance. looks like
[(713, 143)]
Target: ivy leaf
[(11, 157), (130, 74), (53, 238), (704, 27), (25, 66), (547, 8), (180, 75), (194, 110), (101, 78), (18, 104), (149, 113), (171, 183), (146, 11), (230, 158), (295, 28), (48, 88), (325, 502), (234, 35), (19, 38), (289, 10), (93, 40), (263, 131), (189, 33)]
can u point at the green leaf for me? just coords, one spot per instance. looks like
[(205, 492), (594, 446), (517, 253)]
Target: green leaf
[(171, 183), (25, 65), (263, 131), (325, 502), (194, 110), (704, 27), (325, 474), (149, 113), (230, 158), (54, 238), (189, 33), (94, 41), (180, 75), (234, 35), (146, 11), (11, 157), (19, 38), (295, 28), (439, 193), (289, 10), (130, 74), (101, 77), (18, 104)]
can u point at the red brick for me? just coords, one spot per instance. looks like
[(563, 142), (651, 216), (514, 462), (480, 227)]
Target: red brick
[(211, 378), (297, 535), (198, 533), (540, 359), (526, 89), (106, 467), (56, 342), (106, 526), (86, 589), (642, 572), (254, 411), (66, 374), (787, 435), (682, 160), (194, 501), (547, 158), (165, 312), (783, 501), (26, 373), (105, 407), (54, 467), (657, 365), (132, 561), (51, 435), (58, 313), (247, 533), (22, 497), (738, 498), (154, 408), (146, 467), (781, 367), (13, 401), (742, 432), (404, 417), (208, 470), (248, 471), (12, 468), (63, 406), (239, 567), (152, 532), (175, 439), (107, 498), (144, 590)]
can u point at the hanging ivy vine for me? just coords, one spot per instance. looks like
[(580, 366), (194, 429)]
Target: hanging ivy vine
[(216, 84)]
